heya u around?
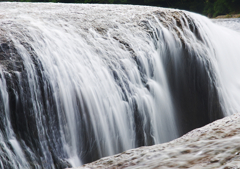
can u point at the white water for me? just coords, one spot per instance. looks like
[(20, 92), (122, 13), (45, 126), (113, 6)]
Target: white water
[(76, 63), (103, 71), (232, 23), (227, 58)]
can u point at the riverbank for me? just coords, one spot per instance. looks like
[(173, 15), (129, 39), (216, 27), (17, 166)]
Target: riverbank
[(215, 145), (227, 16)]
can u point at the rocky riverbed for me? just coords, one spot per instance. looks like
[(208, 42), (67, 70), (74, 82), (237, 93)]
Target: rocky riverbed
[(215, 145)]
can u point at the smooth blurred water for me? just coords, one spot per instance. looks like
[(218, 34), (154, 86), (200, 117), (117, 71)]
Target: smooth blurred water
[(80, 82), (227, 61), (94, 80)]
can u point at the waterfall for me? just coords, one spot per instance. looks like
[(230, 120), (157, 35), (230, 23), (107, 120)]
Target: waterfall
[(80, 82)]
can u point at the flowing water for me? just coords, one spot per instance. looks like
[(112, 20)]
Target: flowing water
[(80, 82), (232, 23)]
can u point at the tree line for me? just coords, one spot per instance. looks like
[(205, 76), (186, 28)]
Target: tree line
[(210, 8)]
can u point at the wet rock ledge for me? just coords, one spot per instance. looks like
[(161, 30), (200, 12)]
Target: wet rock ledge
[(216, 145)]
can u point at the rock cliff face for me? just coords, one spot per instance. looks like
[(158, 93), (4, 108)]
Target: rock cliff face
[(215, 145)]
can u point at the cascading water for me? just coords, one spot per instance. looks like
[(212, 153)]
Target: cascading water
[(232, 23), (79, 82)]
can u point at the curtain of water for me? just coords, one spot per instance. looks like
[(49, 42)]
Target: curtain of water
[(79, 82), (86, 90)]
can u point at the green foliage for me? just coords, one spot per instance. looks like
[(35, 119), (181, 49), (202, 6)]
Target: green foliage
[(210, 8), (221, 7)]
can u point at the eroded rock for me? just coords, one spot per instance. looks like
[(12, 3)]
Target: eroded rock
[(215, 145)]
